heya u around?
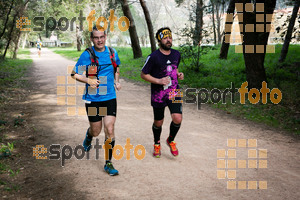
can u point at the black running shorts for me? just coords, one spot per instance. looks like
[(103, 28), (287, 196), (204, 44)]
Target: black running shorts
[(159, 113), (96, 110)]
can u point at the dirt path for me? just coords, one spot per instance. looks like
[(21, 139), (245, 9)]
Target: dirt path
[(192, 175)]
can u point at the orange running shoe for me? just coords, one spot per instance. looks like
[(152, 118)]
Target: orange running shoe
[(156, 152), (173, 149)]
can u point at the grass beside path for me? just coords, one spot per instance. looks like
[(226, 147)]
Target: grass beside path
[(216, 73), (12, 72), (13, 85), (70, 53)]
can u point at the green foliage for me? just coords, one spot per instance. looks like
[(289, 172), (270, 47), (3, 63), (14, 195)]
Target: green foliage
[(18, 121), (284, 76), (13, 173), (191, 55), (5, 150), (3, 169), (270, 114), (8, 147), (70, 53), (12, 70), (10, 187), (12, 73), (6, 185), (213, 72), (131, 68)]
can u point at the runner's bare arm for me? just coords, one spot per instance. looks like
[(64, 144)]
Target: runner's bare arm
[(83, 79), (117, 76), (151, 79)]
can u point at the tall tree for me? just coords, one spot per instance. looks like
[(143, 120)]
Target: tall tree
[(13, 34), (75, 7), (218, 17), (135, 44), (225, 46), (149, 24), (213, 21), (10, 35), (197, 36), (289, 32), (253, 56), (7, 16), (78, 38), (216, 12), (18, 32)]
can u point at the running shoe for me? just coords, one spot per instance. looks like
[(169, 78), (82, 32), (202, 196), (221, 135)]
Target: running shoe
[(109, 168), (156, 152), (87, 142), (173, 149)]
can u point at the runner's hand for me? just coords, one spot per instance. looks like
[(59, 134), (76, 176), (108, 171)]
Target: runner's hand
[(164, 81), (180, 76), (93, 82), (118, 86)]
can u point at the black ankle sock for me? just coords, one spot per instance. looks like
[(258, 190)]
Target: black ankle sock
[(110, 151), (156, 133), (88, 134), (174, 128)]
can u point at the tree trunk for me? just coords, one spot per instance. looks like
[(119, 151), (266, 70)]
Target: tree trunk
[(10, 36), (24, 42), (87, 38), (19, 33), (218, 21), (199, 23), (135, 44), (40, 37), (78, 39), (289, 33), (225, 46), (149, 25), (223, 6), (213, 21), (17, 42), (254, 62), (7, 18)]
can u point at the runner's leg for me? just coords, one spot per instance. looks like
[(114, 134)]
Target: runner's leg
[(109, 127), (156, 129), (95, 124), (109, 123), (157, 124), (95, 128), (175, 125), (176, 114)]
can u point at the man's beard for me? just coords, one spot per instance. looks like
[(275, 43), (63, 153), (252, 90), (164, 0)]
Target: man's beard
[(165, 47)]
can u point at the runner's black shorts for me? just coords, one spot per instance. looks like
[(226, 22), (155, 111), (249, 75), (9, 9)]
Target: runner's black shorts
[(159, 113), (96, 110)]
